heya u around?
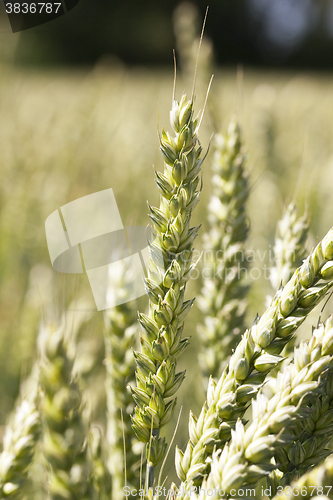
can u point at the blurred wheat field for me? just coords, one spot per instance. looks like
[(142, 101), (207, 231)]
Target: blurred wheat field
[(64, 135)]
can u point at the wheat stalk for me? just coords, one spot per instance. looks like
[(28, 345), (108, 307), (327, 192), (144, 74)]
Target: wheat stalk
[(169, 269), (120, 333), (64, 430), (19, 444), (255, 356), (222, 300)]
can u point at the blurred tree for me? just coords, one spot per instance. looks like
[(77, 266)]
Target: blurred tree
[(257, 32)]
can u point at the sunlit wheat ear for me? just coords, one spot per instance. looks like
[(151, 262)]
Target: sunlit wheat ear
[(289, 246), (246, 459), (65, 433), (254, 357), (222, 299), (289, 251), (20, 440), (120, 334)]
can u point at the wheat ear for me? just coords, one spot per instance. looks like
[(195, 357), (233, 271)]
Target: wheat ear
[(169, 270), (255, 356), (222, 301), (289, 250), (289, 246), (314, 433), (120, 333), (64, 430), (247, 458), (19, 444)]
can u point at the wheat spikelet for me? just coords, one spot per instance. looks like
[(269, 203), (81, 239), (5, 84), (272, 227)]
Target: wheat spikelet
[(222, 300), (255, 356)]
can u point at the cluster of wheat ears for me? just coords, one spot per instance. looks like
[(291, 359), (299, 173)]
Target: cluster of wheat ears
[(280, 449)]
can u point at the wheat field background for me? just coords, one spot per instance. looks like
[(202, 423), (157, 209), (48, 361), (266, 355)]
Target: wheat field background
[(67, 134)]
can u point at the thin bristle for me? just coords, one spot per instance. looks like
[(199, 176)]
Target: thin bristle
[(198, 53), (170, 445), (205, 103)]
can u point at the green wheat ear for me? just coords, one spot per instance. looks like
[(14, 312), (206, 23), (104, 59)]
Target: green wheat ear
[(65, 433), (289, 246), (121, 332), (169, 270), (222, 299), (289, 251)]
